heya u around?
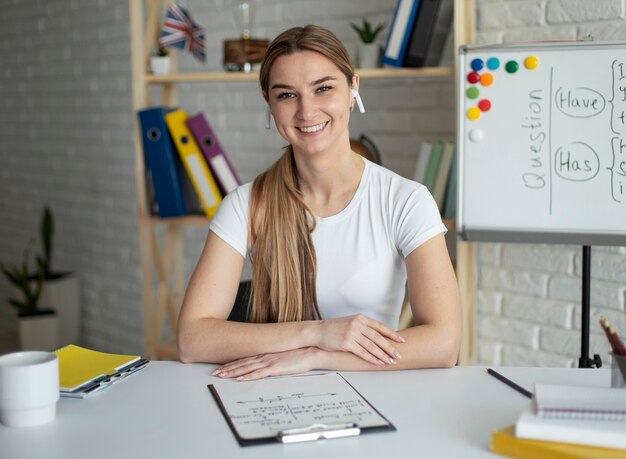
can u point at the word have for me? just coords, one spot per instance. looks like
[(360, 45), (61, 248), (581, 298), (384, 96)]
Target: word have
[(536, 138), (579, 102)]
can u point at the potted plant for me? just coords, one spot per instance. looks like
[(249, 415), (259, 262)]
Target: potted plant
[(368, 52), (160, 63), (46, 286), (60, 288), (37, 326)]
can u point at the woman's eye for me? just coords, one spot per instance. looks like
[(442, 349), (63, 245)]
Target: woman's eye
[(324, 88), (286, 95)]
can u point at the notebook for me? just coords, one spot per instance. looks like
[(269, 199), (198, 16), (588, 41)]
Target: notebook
[(83, 371), (580, 402)]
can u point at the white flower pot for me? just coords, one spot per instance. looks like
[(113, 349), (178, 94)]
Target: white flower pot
[(368, 55), (39, 333), (160, 65)]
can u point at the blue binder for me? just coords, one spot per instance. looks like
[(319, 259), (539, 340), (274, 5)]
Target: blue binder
[(163, 163), (400, 32)]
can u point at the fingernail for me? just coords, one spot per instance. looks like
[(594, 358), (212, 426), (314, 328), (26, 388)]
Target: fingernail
[(380, 362), (223, 374), (241, 378), (392, 361), (216, 372), (397, 354), (402, 340)]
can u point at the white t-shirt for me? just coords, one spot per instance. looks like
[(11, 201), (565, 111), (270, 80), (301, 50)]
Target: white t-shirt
[(361, 250)]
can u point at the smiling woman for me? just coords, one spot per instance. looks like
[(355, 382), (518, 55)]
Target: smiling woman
[(333, 239)]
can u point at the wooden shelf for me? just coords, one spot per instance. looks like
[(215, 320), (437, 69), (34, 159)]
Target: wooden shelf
[(382, 73)]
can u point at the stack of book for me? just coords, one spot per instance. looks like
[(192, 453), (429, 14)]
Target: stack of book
[(436, 169), (567, 422), (84, 372), (418, 33), (186, 164)]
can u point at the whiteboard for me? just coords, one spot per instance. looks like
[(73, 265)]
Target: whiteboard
[(542, 143)]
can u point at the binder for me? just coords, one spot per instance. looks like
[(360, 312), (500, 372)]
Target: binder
[(218, 161), (429, 34), (295, 409), (400, 32), (195, 164), (434, 162), (164, 166), (422, 33)]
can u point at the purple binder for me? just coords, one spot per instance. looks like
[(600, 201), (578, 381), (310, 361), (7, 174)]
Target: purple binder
[(220, 165)]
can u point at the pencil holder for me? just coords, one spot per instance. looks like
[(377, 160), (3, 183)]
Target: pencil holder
[(618, 371)]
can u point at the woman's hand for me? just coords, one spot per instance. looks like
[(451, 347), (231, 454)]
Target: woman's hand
[(364, 337), (291, 362)]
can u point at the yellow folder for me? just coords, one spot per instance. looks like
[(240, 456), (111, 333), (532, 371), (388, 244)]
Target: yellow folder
[(505, 442), (195, 164), (79, 366)]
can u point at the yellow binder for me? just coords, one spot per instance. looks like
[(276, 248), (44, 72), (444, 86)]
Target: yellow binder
[(194, 162)]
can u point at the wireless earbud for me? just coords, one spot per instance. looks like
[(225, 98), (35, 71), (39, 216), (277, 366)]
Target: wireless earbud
[(359, 102)]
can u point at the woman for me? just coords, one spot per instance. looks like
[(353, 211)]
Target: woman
[(332, 238)]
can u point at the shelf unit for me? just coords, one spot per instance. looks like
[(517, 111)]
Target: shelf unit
[(162, 282)]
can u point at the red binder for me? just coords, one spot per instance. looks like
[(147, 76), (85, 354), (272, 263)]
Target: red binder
[(222, 168)]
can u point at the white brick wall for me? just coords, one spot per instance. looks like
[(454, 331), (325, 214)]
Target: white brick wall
[(66, 140), (534, 291)]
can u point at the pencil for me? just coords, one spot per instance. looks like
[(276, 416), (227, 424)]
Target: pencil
[(509, 383), (605, 324), (618, 341)]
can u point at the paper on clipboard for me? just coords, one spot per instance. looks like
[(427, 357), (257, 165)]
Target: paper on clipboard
[(269, 410)]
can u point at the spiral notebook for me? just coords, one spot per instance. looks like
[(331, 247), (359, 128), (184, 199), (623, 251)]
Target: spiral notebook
[(580, 402), (83, 372)]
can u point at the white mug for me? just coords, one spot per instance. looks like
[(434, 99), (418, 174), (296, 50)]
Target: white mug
[(29, 388)]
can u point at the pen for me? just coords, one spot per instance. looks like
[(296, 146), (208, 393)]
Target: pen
[(509, 383)]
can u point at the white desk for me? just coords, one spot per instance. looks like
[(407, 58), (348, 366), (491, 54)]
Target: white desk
[(166, 411)]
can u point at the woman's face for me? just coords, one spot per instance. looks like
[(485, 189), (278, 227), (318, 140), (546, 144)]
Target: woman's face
[(310, 100)]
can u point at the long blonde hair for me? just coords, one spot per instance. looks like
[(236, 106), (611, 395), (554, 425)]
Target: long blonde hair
[(284, 265)]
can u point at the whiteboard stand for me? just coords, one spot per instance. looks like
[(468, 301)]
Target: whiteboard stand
[(584, 361)]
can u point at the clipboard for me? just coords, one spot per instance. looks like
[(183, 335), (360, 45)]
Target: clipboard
[(296, 409)]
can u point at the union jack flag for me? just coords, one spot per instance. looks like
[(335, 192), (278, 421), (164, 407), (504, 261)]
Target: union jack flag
[(180, 31)]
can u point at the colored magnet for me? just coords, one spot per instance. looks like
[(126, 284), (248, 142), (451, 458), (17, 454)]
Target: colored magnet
[(493, 63), (477, 64), (472, 92), (473, 113), (484, 105), (512, 66), (473, 77), (486, 79), (476, 135), (531, 62)]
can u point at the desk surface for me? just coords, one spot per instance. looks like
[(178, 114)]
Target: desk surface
[(166, 411)]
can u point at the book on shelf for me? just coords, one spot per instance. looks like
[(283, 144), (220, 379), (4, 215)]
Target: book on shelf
[(429, 34), (441, 179), (505, 443), (422, 162), (163, 164), (83, 371), (432, 169), (400, 30), (580, 402), (449, 206), (194, 162), (606, 434), (219, 163)]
